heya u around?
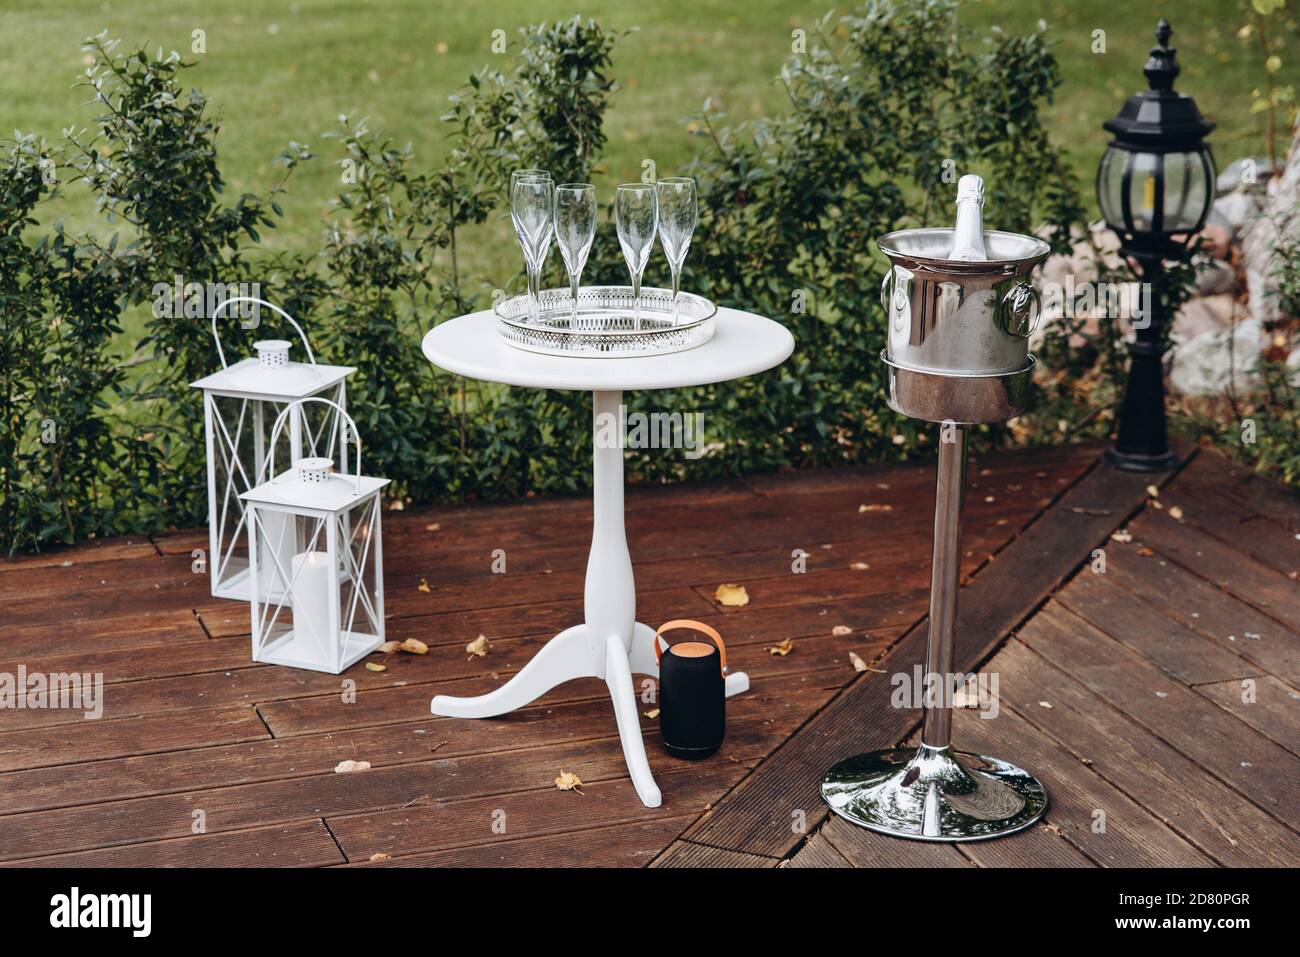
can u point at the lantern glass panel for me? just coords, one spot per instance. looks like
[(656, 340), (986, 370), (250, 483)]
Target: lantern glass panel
[(361, 608), (1186, 189), (1110, 187), (292, 553)]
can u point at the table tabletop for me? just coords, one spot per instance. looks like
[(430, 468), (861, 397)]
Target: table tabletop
[(742, 344)]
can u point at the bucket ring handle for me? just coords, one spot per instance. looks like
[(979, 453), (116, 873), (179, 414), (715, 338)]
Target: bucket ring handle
[(1021, 309)]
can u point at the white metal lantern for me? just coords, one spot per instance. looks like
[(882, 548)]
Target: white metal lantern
[(319, 604), (239, 404)]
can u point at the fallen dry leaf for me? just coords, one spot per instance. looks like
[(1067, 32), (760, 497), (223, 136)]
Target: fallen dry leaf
[(432, 527), (1176, 513), (388, 647), (1153, 491), (839, 631), (346, 767), (568, 781), (1045, 704), (732, 596), (875, 508), (373, 666), (783, 648), (1146, 552), (652, 713), (858, 663), (1122, 536), (381, 856), (477, 647), (859, 566), (423, 586), (414, 646)]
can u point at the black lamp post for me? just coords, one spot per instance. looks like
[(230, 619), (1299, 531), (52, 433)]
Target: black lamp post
[(1155, 186)]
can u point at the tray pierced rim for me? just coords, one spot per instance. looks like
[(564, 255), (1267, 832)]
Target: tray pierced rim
[(693, 311)]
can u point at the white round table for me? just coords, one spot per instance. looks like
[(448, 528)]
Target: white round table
[(610, 644)]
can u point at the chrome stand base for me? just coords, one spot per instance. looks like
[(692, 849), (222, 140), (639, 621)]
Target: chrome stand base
[(934, 794)]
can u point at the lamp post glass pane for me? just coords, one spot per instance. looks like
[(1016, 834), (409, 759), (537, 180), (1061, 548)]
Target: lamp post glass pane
[(1110, 187), (1186, 187), (1145, 168)]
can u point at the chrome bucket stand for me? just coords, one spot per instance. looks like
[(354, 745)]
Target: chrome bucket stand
[(932, 792)]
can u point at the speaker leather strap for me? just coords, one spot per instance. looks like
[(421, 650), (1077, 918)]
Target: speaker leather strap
[(697, 626)]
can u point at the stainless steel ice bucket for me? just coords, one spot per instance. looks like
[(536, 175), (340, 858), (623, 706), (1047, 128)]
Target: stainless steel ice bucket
[(968, 318), (965, 321)]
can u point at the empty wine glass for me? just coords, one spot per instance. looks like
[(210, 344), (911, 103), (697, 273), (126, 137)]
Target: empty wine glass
[(676, 197), (637, 211), (575, 229), (531, 200)]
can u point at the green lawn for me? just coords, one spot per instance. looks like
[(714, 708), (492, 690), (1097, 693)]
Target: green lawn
[(282, 70)]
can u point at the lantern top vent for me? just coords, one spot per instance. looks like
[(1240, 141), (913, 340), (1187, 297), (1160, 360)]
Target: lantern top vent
[(1159, 119)]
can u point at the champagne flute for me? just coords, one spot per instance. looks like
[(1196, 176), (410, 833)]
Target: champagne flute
[(531, 200), (575, 229), (637, 211), (677, 214)]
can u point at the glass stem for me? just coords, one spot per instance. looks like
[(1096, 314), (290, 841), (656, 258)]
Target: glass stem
[(534, 282), (573, 282), (636, 301), (677, 285)]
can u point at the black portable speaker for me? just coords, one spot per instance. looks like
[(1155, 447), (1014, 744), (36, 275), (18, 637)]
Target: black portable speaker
[(692, 692)]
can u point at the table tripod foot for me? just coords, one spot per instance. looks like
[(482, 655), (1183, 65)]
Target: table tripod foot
[(563, 658), (618, 677)]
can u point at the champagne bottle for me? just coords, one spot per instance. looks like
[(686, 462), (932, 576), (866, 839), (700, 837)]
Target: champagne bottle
[(968, 234)]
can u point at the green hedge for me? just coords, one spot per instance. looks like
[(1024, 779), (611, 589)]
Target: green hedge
[(888, 106)]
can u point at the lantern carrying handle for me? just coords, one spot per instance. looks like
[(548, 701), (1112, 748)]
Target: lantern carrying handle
[(279, 424), (221, 353)]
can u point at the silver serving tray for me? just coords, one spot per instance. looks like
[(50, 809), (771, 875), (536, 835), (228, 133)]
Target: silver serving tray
[(608, 322)]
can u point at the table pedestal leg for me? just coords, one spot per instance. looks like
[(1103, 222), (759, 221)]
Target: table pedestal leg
[(602, 647)]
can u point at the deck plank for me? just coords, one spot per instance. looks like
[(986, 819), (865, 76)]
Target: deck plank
[(1101, 821), (440, 825), (817, 852), (1273, 711), (621, 845), (1236, 573), (1174, 788), (1193, 602), (1239, 756), (1188, 656), (863, 848), (304, 844)]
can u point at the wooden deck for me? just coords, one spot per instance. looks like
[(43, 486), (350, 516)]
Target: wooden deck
[(1123, 691)]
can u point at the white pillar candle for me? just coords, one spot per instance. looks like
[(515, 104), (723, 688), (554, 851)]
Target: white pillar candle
[(311, 598)]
